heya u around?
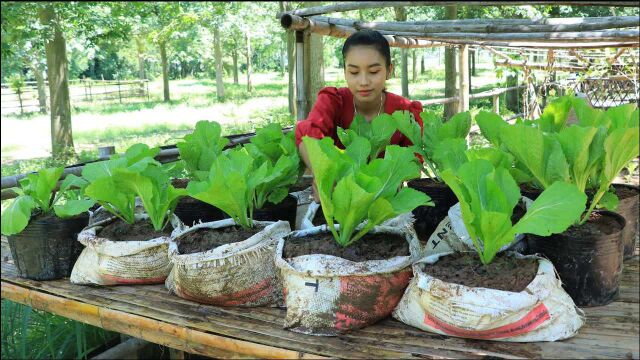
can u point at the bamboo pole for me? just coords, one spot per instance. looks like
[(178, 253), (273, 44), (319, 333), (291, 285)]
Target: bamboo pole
[(616, 56), (356, 5), (159, 332), (539, 66), (463, 78), (300, 86), (485, 26), (594, 39)]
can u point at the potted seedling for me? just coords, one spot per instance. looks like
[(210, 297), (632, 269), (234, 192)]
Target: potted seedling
[(198, 151), (438, 138), (589, 154), (278, 151), (130, 246), (42, 223), (230, 262), (491, 296), (355, 269)]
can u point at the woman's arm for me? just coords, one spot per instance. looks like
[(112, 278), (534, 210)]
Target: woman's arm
[(303, 154)]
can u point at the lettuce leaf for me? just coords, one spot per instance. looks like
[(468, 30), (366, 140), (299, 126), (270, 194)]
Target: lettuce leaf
[(199, 149)]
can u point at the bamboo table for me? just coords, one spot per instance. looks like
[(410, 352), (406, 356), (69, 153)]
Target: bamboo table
[(149, 312)]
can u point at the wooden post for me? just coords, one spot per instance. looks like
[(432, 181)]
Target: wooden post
[(463, 78), (301, 99), (496, 104), (119, 94), (450, 69)]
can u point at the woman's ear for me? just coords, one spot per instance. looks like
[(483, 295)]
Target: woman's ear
[(389, 71)]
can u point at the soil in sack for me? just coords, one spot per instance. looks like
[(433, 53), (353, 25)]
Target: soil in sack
[(506, 273), (588, 257), (369, 247), (191, 211), (142, 230), (428, 217), (285, 210), (628, 208), (47, 248), (206, 239)]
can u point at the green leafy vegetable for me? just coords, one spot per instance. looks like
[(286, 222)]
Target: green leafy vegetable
[(488, 195), (378, 132), (435, 142), (116, 183), (278, 151), (37, 192), (352, 190), (199, 149), (231, 185)]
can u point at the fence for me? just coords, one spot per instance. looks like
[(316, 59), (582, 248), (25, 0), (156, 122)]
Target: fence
[(80, 91)]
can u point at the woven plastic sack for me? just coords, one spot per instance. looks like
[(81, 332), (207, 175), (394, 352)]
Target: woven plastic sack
[(236, 274), (328, 295), (307, 220), (541, 312), (106, 262)]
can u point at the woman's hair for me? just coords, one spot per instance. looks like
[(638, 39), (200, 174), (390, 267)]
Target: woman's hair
[(368, 38)]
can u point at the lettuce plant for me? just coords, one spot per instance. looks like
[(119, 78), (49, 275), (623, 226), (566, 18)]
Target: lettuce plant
[(199, 149), (116, 183), (231, 184), (353, 189), (378, 132), (589, 154), (436, 142), (279, 153), (36, 192), (488, 195)]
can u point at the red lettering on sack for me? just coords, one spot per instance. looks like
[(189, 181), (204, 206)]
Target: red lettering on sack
[(249, 295), (529, 322), (364, 300)]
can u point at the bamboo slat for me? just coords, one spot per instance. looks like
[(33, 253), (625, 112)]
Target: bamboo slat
[(149, 312)]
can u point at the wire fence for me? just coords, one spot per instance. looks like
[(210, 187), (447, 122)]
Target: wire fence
[(81, 91)]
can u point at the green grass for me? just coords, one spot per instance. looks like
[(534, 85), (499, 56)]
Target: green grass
[(36, 334)]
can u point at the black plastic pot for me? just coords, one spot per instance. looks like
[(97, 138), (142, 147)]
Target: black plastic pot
[(285, 210), (428, 217), (191, 211), (48, 247), (628, 208), (589, 265)]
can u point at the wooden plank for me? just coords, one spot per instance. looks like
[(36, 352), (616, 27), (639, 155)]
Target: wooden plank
[(611, 331)]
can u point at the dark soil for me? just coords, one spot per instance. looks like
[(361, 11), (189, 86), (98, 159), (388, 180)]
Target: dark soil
[(504, 273), (318, 218), (518, 212), (369, 247), (180, 183), (206, 239), (139, 231), (597, 225), (624, 192), (427, 182)]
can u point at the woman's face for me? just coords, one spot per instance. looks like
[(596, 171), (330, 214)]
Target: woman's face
[(365, 72)]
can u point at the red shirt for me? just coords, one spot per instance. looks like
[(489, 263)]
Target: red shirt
[(334, 108)]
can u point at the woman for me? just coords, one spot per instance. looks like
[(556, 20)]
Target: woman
[(367, 67)]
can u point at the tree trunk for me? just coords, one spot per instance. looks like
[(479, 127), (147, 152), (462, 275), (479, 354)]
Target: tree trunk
[(422, 62), (283, 49), (414, 65), (401, 15), (42, 93), (451, 108), (57, 71), (165, 71), (218, 57), (473, 62), (291, 61), (234, 54), (140, 47), (249, 87)]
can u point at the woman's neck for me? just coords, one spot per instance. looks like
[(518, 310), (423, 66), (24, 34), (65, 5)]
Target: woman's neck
[(370, 109)]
